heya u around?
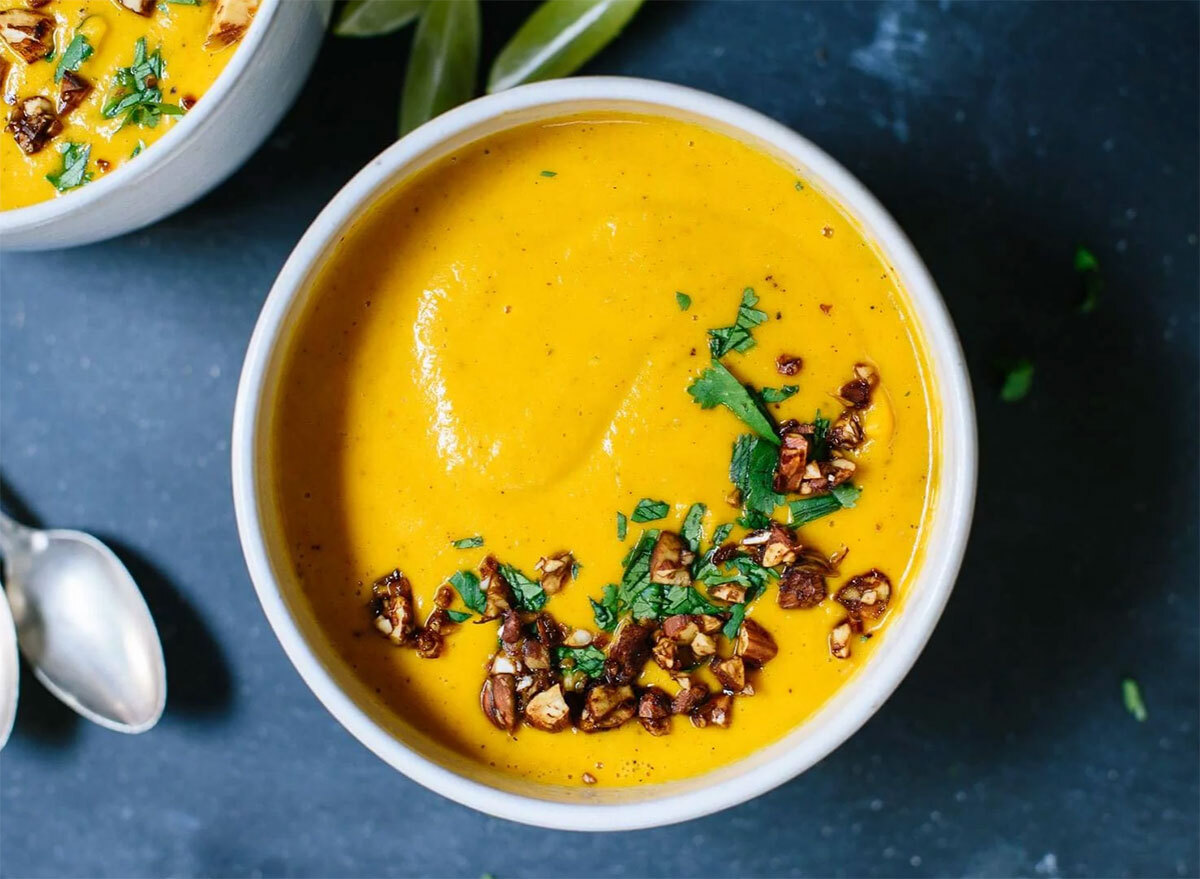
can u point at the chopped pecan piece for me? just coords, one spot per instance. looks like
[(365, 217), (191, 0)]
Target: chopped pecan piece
[(510, 628), (846, 433), (681, 628), (692, 694), (71, 91), (429, 643), (856, 393), (654, 712), (391, 600), (755, 644), (838, 556), (725, 553), (537, 655), (775, 546), (548, 710), (141, 7), (839, 639), (703, 646), (556, 570), (716, 711), (30, 34), (795, 442), (866, 595), (498, 699), (496, 590), (821, 477), (801, 586), (33, 123), (709, 624), (548, 631), (606, 707), (670, 560), (731, 673), (230, 20), (668, 655), (443, 597), (627, 653), (787, 364), (731, 592)]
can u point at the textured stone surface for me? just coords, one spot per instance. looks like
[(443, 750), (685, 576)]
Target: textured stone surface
[(1001, 136)]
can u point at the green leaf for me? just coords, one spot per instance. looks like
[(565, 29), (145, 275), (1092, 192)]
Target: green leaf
[(622, 526), (607, 609), (442, 66), (459, 616), (77, 51), (1017, 382), (684, 301), (74, 170), (1132, 694), (589, 660), (467, 586), (847, 494), (528, 593), (558, 39), (722, 534), (820, 444), (635, 581), (716, 385), (685, 599), (1089, 271), (777, 395), (136, 93), (737, 337), (752, 470), (467, 542), (374, 18), (809, 509), (737, 613), (137, 149), (649, 510), (693, 526), (549, 174)]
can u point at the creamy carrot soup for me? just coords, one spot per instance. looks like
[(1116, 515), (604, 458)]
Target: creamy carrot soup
[(90, 84), (603, 450)]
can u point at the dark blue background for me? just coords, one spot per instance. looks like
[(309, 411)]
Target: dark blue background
[(1001, 136)]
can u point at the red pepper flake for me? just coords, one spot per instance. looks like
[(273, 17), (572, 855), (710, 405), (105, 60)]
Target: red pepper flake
[(826, 308)]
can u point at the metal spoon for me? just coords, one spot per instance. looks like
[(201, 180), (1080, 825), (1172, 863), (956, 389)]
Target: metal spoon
[(10, 676), (84, 626)]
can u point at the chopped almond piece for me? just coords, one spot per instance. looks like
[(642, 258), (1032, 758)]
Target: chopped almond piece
[(692, 694), (443, 597), (506, 664), (498, 699), (801, 586), (846, 433), (230, 20), (556, 571), (731, 673), (668, 655), (821, 477), (703, 646), (607, 707), (838, 556), (537, 655), (391, 600), (731, 592), (670, 560), (627, 653), (429, 643), (141, 7), (579, 638), (856, 393), (755, 644), (787, 364), (654, 712), (709, 624), (681, 628), (496, 589), (839, 640), (866, 595), (548, 710), (776, 545), (716, 711), (30, 34), (795, 441), (510, 628)]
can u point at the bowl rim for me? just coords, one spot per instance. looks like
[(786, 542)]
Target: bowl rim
[(130, 174), (956, 489)]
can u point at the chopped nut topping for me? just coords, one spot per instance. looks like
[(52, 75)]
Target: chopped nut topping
[(709, 624), (725, 553), (579, 638), (731, 673), (33, 123), (556, 571), (627, 653), (670, 560), (838, 556), (795, 443), (537, 655), (495, 588), (230, 20), (392, 604), (443, 597), (703, 646), (71, 91), (731, 592), (821, 477), (588, 778), (839, 640), (607, 707), (654, 711), (846, 433), (141, 7), (548, 710), (498, 699), (681, 628), (429, 643), (801, 586), (692, 694), (776, 545), (856, 393), (668, 655), (786, 364), (510, 628), (716, 711), (29, 34), (506, 664), (549, 632), (866, 595), (755, 644)]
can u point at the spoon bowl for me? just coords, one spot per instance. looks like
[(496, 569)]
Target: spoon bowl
[(84, 627)]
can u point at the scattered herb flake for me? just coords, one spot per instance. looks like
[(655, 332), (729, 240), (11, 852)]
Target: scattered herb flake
[(685, 301), (808, 509), (589, 660), (549, 173), (622, 526), (685, 599), (722, 534), (799, 186), (752, 470), (820, 444), (737, 613), (137, 95), (716, 385), (77, 51), (737, 337), (606, 610), (635, 582), (137, 149), (468, 542), (847, 494), (74, 171), (466, 584), (1017, 381), (649, 510), (1089, 272), (693, 526), (778, 395), (528, 593), (459, 616), (1132, 694)]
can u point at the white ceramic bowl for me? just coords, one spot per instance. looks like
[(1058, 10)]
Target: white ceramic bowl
[(204, 147), (582, 808)]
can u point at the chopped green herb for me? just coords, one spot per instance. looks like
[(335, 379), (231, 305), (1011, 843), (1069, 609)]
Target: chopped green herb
[(737, 337), (1089, 272), (589, 660), (722, 533), (137, 94), (685, 599), (527, 592), (636, 593), (1132, 694), (622, 526), (74, 171), (693, 526), (753, 520), (737, 613), (778, 395), (606, 610), (137, 149), (649, 510), (549, 173), (466, 584), (808, 509), (77, 51), (847, 494), (716, 385), (459, 616), (1017, 381), (752, 470), (684, 301), (186, 2), (820, 444), (799, 186), (468, 542)]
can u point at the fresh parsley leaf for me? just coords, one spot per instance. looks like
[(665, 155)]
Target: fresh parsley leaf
[(808, 509), (693, 526), (77, 51), (777, 395), (1017, 382), (753, 520), (648, 603), (467, 586), (722, 534), (549, 173), (74, 171), (622, 526), (650, 510), (820, 440), (1132, 694), (685, 301), (589, 660), (635, 581), (459, 616), (468, 542), (1089, 272), (847, 494), (716, 385), (137, 95), (752, 470), (137, 149), (606, 610), (685, 599), (528, 593), (737, 613), (737, 337)]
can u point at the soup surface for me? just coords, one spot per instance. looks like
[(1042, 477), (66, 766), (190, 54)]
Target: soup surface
[(513, 346), (89, 84)]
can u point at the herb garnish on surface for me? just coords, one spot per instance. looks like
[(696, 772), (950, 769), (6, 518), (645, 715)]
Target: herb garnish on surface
[(77, 51), (650, 510), (737, 337), (1132, 695), (74, 170), (467, 542), (1017, 381), (716, 385), (138, 96)]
